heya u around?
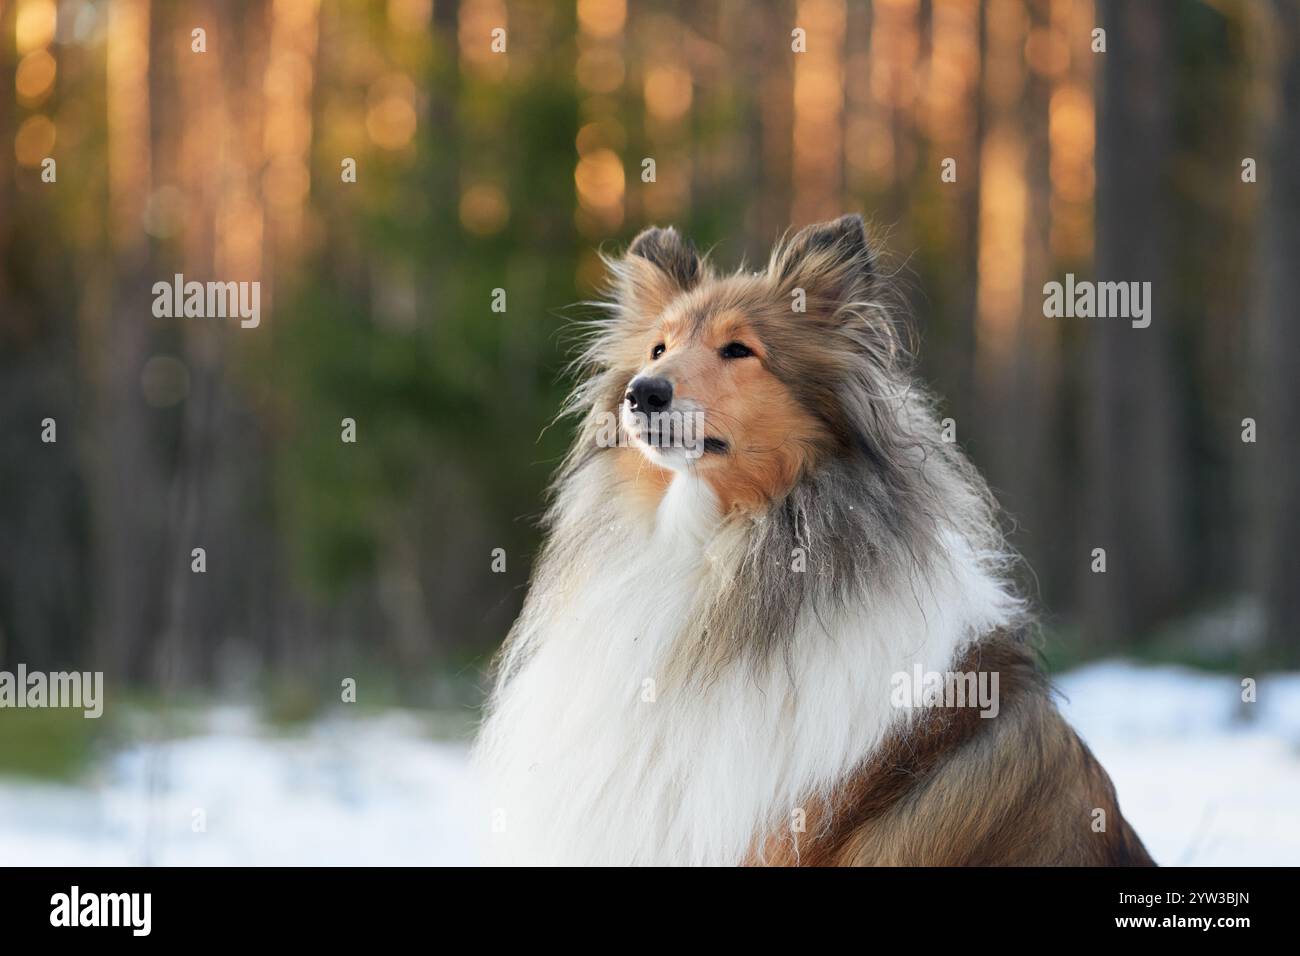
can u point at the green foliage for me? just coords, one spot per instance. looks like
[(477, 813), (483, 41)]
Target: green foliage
[(46, 742)]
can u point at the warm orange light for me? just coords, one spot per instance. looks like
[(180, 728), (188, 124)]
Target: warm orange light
[(35, 24), (484, 209), (602, 18), (869, 147), (953, 71), (1071, 136), (1003, 204), (599, 178), (296, 14), (127, 95), (818, 94), (391, 118), (599, 181), (1006, 22), (287, 75), (818, 110), (600, 70), (34, 140), (34, 78), (605, 132), (478, 20), (286, 182), (1047, 52), (667, 92)]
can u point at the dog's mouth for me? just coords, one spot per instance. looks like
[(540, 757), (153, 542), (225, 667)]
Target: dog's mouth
[(673, 431)]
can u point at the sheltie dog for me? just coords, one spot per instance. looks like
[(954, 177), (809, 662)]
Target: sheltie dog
[(757, 548)]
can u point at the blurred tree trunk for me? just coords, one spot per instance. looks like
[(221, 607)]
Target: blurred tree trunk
[(966, 303), (760, 222), (8, 62), (1016, 381), (130, 489), (1277, 561), (1134, 429), (775, 90), (1029, 438)]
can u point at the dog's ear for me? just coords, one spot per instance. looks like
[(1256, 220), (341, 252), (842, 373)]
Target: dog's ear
[(831, 261), (659, 266), (670, 253)]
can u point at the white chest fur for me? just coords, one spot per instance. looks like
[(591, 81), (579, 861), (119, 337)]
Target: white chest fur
[(592, 755)]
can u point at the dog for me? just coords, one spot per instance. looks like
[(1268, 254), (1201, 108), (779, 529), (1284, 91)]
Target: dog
[(757, 540)]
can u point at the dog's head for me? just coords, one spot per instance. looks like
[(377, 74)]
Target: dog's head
[(748, 379)]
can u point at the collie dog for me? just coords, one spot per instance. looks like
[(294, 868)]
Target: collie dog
[(765, 575)]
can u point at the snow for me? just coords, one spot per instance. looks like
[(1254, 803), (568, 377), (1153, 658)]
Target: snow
[(362, 792), (1204, 779)]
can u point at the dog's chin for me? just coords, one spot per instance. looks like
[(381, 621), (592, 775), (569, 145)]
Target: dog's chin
[(668, 455), (672, 457), (678, 458)]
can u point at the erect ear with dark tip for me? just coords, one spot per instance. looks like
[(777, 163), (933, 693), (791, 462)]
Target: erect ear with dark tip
[(658, 267), (830, 261), (667, 250)]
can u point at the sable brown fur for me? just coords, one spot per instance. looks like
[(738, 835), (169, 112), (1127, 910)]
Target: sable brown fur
[(952, 788)]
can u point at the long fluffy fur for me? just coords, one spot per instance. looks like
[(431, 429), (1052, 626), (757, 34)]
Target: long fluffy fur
[(673, 687)]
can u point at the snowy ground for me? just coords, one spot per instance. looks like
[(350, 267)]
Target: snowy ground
[(1201, 783), (1205, 779)]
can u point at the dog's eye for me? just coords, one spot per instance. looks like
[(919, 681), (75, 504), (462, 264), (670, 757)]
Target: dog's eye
[(657, 351), (735, 350)]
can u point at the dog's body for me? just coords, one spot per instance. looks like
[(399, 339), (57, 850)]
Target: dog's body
[(707, 666)]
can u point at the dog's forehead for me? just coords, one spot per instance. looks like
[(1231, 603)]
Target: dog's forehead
[(719, 307)]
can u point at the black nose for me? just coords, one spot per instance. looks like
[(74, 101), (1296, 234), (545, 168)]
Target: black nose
[(649, 394)]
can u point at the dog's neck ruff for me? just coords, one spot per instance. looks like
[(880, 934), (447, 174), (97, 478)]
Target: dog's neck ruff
[(597, 750)]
